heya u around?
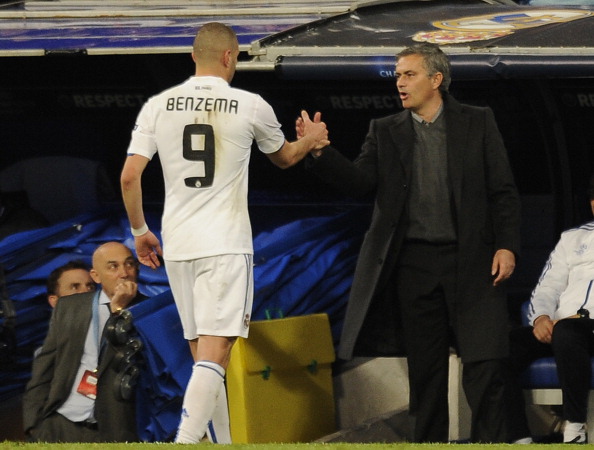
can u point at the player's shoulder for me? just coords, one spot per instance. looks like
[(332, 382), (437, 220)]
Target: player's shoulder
[(585, 228), (576, 237), (185, 85), (245, 93)]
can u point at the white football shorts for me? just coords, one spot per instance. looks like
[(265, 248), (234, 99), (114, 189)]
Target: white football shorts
[(213, 295)]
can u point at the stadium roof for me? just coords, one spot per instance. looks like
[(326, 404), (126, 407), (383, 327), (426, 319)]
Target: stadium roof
[(484, 40), (319, 39), (38, 28)]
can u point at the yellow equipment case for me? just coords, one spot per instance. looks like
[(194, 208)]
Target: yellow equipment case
[(279, 381)]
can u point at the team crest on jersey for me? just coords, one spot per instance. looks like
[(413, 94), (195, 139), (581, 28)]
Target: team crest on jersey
[(491, 26), (581, 249)]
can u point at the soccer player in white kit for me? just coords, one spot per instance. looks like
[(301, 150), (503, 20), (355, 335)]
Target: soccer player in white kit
[(203, 130)]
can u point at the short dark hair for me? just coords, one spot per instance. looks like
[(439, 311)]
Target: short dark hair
[(434, 60), (591, 187), (214, 36), (54, 276)]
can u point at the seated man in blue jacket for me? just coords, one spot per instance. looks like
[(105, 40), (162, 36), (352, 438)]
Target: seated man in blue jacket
[(561, 316)]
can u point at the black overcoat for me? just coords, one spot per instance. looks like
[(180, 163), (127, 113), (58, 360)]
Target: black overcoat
[(486, 215)]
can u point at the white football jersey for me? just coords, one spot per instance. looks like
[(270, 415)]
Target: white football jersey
[(203, 130)]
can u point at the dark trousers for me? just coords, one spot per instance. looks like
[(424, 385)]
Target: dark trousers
[(57, 428), (572, 346), (426, 289)]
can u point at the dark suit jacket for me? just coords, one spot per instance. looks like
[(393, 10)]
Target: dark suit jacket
[(56, 366), (486, 215)]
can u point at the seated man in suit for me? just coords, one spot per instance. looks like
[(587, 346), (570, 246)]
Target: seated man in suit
[(71, 396), (70, 278), (561, 316)]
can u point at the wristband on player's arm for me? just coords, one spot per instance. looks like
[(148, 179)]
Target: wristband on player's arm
[(139, 231)]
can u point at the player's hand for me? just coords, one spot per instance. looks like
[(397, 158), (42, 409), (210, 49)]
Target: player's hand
[(300, 127), (543, 329), (304, 126), (148, 249)]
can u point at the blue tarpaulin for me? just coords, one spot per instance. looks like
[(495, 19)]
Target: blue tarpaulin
[(302, 266)]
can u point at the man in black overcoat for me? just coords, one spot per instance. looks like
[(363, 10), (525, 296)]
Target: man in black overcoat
[(443, 238)]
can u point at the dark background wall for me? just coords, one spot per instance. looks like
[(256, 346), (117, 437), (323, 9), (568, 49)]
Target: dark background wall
[(85, 106)]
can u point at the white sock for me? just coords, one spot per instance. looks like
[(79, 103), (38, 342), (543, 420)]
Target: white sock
[(574, 430), (200, 400), (218, 430)]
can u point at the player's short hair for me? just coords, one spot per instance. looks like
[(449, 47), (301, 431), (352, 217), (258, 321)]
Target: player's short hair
[(214, 36), (591, 187)]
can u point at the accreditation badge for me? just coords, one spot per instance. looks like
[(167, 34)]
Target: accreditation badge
[(88, 384)]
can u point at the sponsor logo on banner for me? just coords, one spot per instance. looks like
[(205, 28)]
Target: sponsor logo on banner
[(492, 26)]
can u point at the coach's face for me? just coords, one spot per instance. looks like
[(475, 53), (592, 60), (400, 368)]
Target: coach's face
[(416, 87)]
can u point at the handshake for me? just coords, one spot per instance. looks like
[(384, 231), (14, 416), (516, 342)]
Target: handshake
[(315, 130)]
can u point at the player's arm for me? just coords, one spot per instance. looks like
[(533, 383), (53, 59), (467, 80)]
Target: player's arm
[(315, 137), (132, 189), (147, 244)]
